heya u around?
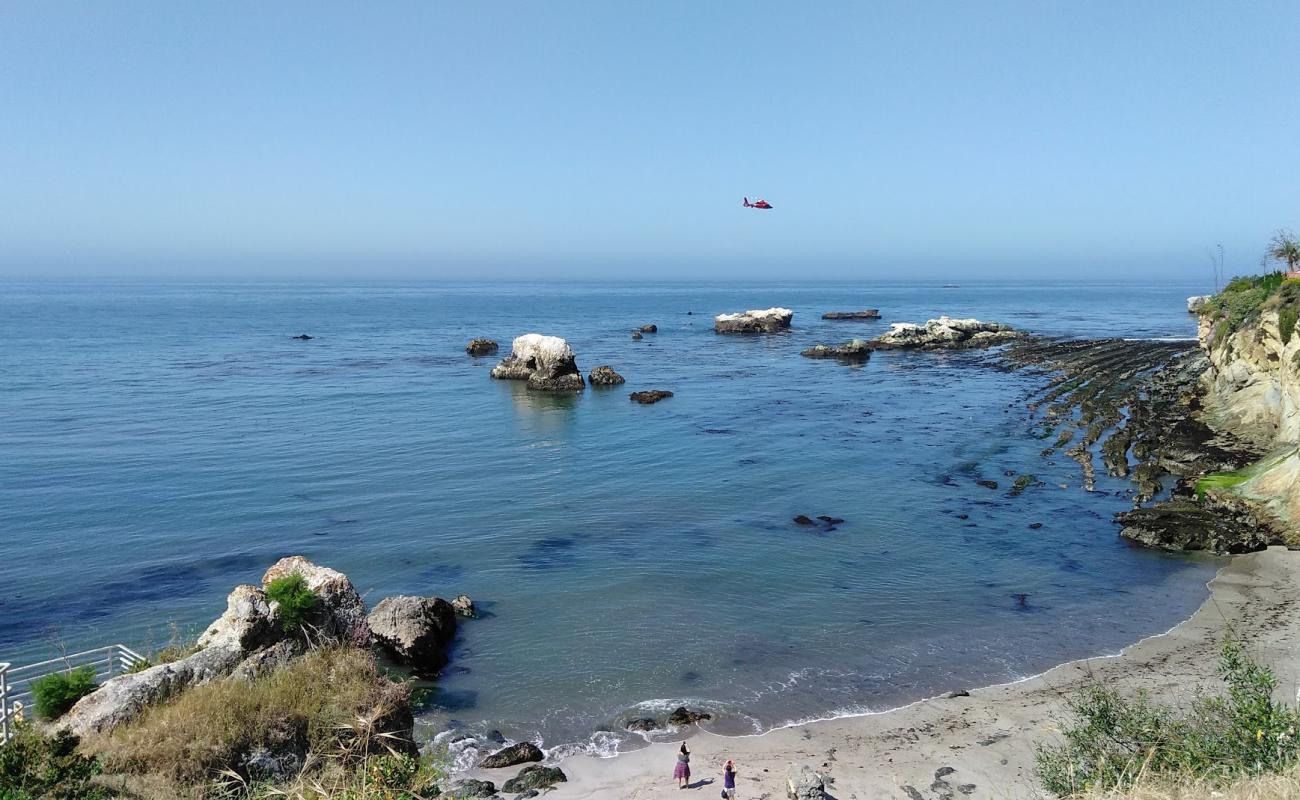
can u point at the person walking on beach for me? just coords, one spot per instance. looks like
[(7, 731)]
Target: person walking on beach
[(729, 780), (683, 771)]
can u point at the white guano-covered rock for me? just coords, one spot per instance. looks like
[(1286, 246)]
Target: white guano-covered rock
[(547, 363), (944, 333), (1196, 302), (764, 320)]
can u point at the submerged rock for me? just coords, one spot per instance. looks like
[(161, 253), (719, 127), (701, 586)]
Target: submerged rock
[(415, 630), (803, 519), (649, 328), (852, 350), (650, 396), (869, 313), (754, 321), (302, 337), (513, 755), (945, 333), (636, 336), (534, 777), (545, 362), (481, 347), (604, 376)]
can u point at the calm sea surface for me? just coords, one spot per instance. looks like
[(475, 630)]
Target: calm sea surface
[(161, 443)]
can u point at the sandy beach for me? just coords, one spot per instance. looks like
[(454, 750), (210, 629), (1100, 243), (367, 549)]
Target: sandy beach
[(987, 738)]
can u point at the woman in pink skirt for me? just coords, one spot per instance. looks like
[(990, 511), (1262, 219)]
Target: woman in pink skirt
[(683, 771)]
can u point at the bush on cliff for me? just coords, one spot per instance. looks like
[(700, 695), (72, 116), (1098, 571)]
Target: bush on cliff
[(34, 765), (296, 600), (331, 703), (1114, 742), (1243, 300), (57, 692)]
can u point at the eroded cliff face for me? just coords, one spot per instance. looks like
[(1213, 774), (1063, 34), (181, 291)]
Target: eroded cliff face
[(1252, 391)]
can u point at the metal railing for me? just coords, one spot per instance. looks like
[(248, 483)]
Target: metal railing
[(16, 682)]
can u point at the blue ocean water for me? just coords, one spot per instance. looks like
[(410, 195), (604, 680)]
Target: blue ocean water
[(160, 443)]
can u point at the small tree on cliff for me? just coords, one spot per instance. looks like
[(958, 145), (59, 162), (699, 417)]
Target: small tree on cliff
[(1284, 248)]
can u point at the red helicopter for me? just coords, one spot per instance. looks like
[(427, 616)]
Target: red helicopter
[(757, 204)]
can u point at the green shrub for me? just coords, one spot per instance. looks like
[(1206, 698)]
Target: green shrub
[(1114, 740), (57, 692), (295, 599), (1286, 319), (33, 765)]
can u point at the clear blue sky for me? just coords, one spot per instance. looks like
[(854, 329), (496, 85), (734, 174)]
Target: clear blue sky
[(461, 139)]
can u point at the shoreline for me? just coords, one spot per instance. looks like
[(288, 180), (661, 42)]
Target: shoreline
[(987, 737)]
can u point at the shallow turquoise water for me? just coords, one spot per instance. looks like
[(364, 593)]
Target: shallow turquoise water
[(160, 443)]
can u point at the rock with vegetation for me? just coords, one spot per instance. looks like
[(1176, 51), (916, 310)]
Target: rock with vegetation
[(768, 320), (512, 756), (869, 313), (649, 396), (481, 347), (414, 630), (1196, 302), (945, 333), (547, 364), (604, 375), (852, 350), (534, 777)]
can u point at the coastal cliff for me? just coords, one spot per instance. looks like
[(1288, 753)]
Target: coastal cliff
[(1251, 390)]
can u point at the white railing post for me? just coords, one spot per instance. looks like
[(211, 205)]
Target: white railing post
[(4, 703)]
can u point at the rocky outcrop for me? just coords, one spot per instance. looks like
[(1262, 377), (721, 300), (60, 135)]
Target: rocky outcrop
[(470, 789), (415, 630), (604, 376), (1252, 391), (534, 777), (512, 756), (766, 320), (945, 333), (481, 347), (869, 313), (642, 724), (246, 639), (852, 350), (650, 396), (686, 716), (545, 362), (1197, 302), (464, 607), (1189, 525)]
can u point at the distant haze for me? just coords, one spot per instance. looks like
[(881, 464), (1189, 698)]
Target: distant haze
[(616, 140)]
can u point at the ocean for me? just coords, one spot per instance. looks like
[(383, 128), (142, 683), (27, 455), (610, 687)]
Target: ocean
[(162, 442)]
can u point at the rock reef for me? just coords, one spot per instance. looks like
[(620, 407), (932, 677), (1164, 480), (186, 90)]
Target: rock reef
[(945, 333), (547, 363), (852, 350), (768, 320), (868, 313)]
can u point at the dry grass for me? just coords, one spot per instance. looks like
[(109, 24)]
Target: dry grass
[(1267, 787), (325, 699)]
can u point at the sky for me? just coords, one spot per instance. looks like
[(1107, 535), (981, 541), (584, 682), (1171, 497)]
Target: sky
[(616, 139)]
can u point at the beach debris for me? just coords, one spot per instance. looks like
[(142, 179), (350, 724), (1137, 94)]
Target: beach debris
[(302, 337), (852, 350), (869, 313), (545, 362), (604, 375), (534, 778), (766, 320), (464, 607), (945, 333), (414, 630), (804, 783), (511, 756), (651, 328), (481, 347), (685, 716), (649, 396)]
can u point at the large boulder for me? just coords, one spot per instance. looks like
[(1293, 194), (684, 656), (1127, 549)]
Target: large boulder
[(545, 362), (803, 783), (248, 622), (685, 716), (340, 613), (513, 755), (852, 350), (765, 320), (944, 333), (415, 630)]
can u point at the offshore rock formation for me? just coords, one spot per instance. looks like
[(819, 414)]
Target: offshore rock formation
[(414, 630), (545, 362), (481, 347), (869, 313), (944, 333), (650, 396), (852, 350), (604, 376), (766, 320)]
